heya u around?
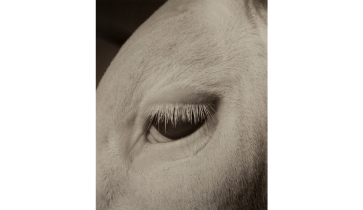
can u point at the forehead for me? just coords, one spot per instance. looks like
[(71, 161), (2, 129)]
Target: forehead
[(196, 43)]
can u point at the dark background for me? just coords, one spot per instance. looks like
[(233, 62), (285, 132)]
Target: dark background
[(116, 20)]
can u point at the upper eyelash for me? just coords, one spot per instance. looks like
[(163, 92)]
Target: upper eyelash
[(173, 113)]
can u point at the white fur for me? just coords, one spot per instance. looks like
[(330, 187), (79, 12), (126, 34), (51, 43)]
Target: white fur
[(187, 48)]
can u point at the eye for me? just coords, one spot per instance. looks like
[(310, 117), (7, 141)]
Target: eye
[(175, 121), (178, 130)]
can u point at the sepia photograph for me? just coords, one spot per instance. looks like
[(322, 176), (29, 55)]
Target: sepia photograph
[(182, 106)]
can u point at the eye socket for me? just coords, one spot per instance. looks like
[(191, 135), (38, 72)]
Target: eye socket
[(178, 130)]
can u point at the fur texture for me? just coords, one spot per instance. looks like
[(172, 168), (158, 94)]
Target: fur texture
[(187, 48)]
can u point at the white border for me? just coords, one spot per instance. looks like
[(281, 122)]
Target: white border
[(315, 105), (47, 112)]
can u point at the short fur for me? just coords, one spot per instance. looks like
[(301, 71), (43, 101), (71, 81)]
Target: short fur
[(187, 47)]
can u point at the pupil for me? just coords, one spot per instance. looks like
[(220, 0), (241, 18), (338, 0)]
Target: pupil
[(178, 131)]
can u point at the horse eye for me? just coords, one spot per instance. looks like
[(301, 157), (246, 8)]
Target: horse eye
[(179, 130)]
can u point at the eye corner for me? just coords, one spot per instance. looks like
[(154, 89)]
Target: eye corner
[(154, 136)]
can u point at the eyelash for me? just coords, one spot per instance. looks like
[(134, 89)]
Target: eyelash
[(173, 113)]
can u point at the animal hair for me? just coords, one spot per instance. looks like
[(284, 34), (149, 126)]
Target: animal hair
[(193, 113)]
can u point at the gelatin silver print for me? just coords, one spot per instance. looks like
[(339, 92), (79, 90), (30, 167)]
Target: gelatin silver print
[(181, 104)]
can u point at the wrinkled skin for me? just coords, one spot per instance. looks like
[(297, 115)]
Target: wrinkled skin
[(187, 50)]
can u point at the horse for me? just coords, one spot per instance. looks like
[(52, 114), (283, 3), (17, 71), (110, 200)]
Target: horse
[(182, 111)]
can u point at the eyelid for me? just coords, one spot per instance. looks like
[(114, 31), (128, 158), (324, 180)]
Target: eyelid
[(176, 94)]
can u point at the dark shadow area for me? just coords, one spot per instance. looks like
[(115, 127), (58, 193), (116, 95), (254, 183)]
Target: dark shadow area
[(116, 20)]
